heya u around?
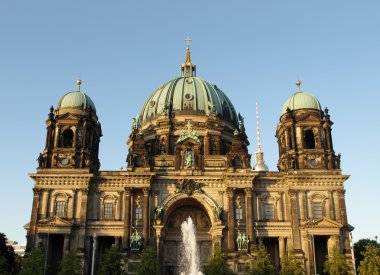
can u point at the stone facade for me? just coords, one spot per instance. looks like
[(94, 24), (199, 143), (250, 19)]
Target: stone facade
[(188, 162)]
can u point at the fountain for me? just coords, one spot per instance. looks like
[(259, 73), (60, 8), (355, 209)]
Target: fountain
[(190, 261)]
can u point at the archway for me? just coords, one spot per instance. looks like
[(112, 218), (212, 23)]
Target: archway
[(178, 212)]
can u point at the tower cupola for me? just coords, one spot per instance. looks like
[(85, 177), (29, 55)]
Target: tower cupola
[(73, 134), (304, 134)]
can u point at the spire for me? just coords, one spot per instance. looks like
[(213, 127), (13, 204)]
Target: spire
[(188, 68), (260, 163)]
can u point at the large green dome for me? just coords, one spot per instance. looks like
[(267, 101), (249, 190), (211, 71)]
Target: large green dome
[(76, 99), (189, 94), (301, 100)]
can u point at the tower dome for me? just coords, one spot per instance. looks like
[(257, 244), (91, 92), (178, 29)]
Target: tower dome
[(76, 99), (301, 100), (189, 94)]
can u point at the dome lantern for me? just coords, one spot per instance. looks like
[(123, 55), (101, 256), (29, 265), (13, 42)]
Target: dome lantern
[(188, 68)]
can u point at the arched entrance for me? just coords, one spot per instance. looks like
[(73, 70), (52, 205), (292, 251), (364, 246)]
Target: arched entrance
[(178, 212)]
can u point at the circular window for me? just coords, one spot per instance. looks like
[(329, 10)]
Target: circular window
[(188, 96), (152, 102)]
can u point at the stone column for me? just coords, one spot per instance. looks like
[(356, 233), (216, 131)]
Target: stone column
[(337, 206), (249, 214), (254, 206), (83, 220), (74, 198), (117, 242), (281, 247), (206, 146), (231, 220), (258, 207), (44, 203), (328, 207), (33, 219), (279, 207), (94, 252), (146, 216), (342, 206), (303, 211), (66, 243), (127, 218), (295, 221)]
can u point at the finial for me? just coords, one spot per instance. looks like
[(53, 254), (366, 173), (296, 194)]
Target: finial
[(79, 82), (188, 68), (298, 83)]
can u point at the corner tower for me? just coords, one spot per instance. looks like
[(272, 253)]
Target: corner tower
[(304, 134), (73, 134)]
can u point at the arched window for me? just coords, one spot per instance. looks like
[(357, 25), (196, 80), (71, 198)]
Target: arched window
[(237, 163), (67, 138), (309, 139), (317, 206), (60, 205), (108, 206)]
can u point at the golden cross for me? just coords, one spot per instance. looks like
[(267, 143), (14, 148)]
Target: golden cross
[(188, 40)]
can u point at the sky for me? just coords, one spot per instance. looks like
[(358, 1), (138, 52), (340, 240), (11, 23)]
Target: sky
[(253, 50)]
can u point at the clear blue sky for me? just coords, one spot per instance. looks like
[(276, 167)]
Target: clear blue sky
[(123, 50)]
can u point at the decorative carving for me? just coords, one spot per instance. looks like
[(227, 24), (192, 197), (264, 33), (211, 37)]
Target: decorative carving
[(189, 133), (189, 187)]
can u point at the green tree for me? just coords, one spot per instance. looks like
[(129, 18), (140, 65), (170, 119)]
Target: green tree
[(71, 264), (336, 263), (111, 262), (360, 246), (371, 260), (291, 265), (33, 263), (261, 263), (149, 263), (9, 263), (217, 265)]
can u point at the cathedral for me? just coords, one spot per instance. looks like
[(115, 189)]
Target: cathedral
[(188, 157)]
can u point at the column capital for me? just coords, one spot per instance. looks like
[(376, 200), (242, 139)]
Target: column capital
[(127, 191), (292, 193), (36, 191), (146, 191), (84, 191), (230, 192), (341, 192), (248, 191)]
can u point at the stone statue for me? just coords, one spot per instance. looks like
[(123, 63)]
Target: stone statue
[(165, 109), (134, 124), (219, 212), (135, 241), (188, 159), (158, 213), (41, 161)]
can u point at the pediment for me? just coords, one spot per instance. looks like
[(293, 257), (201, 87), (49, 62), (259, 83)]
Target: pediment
[(69, 116), (310, 117), (322, 223), (54, 222), (188, 139)]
